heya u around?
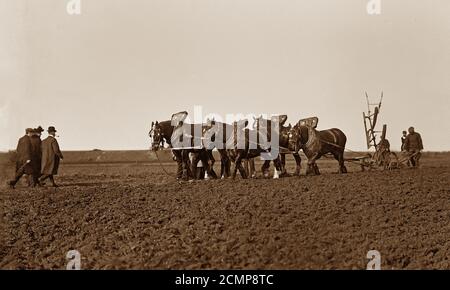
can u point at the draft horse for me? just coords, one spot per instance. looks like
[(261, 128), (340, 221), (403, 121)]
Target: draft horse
[(315, 144), (249, 149), (161, 132), (283, 143)]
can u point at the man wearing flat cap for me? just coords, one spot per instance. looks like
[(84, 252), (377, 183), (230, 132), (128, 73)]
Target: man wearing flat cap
[(51, 155), (36, 154), (413, 145), (23, 161)]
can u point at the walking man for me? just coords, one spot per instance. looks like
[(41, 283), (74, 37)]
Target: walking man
[(36, 155), (23, 160), (51, 155), (413, 145)]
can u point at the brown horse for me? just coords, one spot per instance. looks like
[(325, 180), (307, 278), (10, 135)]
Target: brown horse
[(217, 135), (315, 144), (246, 148), (163, 132), (283, 143)]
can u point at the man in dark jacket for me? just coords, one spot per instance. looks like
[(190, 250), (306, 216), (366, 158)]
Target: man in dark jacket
[(36, 154), (23, 161), (413, 145), (51, 155), (403, 139)]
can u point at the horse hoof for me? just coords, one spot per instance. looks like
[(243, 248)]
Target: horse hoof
[(285, 174)]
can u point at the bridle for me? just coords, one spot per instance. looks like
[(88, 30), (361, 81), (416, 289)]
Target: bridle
[(294, 138), (155, 135)]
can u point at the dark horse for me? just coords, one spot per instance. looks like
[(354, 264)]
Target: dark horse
[(217, 134), (315, 144), (283, 143), (162, 132), (249, 149)]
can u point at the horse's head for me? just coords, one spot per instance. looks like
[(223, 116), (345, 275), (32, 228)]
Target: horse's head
[(296, 138), (156, 135)]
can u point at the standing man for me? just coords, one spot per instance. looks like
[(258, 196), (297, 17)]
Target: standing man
[(403, 140), (36, 154), (23, 160), (404, 135), (51, 155), (413, 145)]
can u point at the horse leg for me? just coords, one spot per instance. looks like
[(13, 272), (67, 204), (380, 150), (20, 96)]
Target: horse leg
[(234, 170), (339, 156), (341, 160), (222, 170), (179, 159), (228, 167), (240, 167), (283, 164), (313, 169), (194, 163), (211, 158), (208, 166), (316, 169), (246, 168), (252, 168), (298, 161), (185, 165), (278, 167), (265, 168), (224, 164)]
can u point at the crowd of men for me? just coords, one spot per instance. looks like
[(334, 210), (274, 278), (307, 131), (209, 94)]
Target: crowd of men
[(412, 144), (37, 159)]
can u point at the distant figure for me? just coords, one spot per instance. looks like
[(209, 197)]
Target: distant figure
[(23, 160), (51, 155), (403, 140), (36, 155), (404, 135), (413, 145)]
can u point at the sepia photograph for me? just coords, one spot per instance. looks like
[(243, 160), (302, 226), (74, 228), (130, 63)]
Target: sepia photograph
[(226, 135)]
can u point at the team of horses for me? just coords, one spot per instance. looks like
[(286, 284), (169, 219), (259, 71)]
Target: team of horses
[(239, 143)]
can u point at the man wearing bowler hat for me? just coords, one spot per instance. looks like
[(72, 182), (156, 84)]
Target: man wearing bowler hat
[(51, 155)]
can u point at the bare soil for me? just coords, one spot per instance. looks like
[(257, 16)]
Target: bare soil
[(132, 215)]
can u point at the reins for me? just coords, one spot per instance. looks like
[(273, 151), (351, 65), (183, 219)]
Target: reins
[(162, 166)]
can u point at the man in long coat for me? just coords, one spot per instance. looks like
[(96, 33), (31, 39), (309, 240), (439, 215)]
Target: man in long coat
[(51, 155), (23, 161), (36, 154), (413, 144)]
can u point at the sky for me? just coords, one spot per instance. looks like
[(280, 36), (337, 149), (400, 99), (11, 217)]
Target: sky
[(103, 76)]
